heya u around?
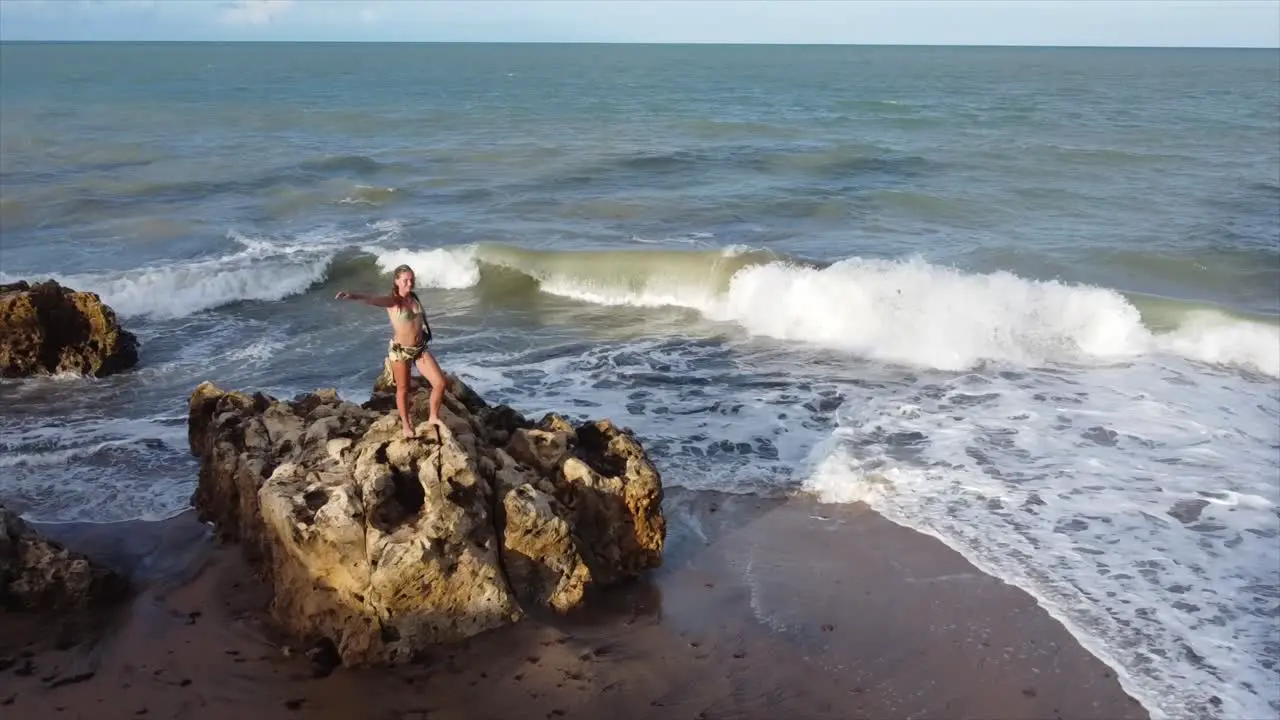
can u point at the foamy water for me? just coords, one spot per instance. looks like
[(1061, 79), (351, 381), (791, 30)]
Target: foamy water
[(1137, 504), (106, 469)]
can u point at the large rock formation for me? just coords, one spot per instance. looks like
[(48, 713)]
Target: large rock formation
[(37, 574), (47, 328), (386, 547)]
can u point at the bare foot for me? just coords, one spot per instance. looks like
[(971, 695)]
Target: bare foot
[(409, 434), (436, 422)]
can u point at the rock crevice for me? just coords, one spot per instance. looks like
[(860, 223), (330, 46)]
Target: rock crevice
[(386, 547)]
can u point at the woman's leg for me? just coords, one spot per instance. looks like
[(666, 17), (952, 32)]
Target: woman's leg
[(400, 371), (430, 370)]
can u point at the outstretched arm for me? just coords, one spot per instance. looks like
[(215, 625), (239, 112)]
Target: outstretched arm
[(382, 301)]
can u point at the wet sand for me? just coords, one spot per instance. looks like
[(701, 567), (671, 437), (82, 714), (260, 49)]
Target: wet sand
[(763, 609)]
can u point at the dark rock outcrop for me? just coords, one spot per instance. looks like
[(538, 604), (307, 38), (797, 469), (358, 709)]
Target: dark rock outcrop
[(48, 329), (39, 575)]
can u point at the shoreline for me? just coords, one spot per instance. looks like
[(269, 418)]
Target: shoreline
[(1053, 610), (763, 608)]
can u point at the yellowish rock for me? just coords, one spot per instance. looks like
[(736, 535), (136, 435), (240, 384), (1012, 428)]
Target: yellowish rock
[(386, 547)]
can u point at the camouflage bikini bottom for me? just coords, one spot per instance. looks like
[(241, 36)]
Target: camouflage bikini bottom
[(404, 353)]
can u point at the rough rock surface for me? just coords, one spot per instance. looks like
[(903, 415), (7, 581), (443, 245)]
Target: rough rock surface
[(47, 329), (37, 574), (386, 547)]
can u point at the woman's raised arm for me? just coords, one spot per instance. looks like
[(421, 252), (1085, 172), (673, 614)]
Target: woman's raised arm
[(382, 301)]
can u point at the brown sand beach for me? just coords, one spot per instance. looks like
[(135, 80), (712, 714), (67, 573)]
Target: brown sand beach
[(762, 609)]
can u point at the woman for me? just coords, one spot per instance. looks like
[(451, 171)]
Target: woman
[(410, 334)]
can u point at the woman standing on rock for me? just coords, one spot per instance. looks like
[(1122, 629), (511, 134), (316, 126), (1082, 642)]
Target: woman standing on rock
[(410, 335)]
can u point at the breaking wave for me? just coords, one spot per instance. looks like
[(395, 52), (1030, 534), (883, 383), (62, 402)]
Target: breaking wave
[(258, 270), (908, 312), (901, 311)]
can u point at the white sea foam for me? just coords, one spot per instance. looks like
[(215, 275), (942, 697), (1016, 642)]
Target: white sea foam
[(107, 469), (262, 270), (1213, 337), (1136, 504), (698, 239), (915, 313), (921, 314), (49, 458), (710, 434), (447, 268), (258, 352), (369, 195), (390, 229)]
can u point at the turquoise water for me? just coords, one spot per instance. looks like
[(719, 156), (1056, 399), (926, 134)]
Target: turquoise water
[(1025, 300)]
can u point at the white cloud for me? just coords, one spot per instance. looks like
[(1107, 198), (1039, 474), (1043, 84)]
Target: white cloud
[(255, 12), (135, 4)]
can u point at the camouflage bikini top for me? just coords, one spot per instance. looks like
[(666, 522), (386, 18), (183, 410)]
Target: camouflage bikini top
[(409, 313)]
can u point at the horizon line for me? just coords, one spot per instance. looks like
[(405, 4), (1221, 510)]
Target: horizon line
[(633, 43)]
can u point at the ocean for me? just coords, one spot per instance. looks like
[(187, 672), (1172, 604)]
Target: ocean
[(1023, 300)]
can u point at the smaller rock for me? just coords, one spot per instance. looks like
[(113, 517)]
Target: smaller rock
[(37, 574), (47, 329)]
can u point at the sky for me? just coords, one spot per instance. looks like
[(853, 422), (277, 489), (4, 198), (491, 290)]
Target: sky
[(1169, 23)]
